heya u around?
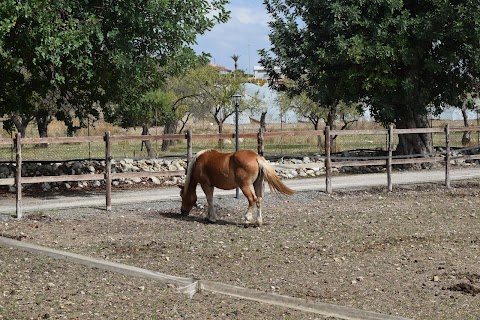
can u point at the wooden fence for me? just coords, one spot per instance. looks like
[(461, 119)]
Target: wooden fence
[(108, 176), (390, 160)]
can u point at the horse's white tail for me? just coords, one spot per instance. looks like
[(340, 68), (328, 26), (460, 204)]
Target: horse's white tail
[(274, 182)]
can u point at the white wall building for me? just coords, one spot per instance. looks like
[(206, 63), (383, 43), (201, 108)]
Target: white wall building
[(259, 73)]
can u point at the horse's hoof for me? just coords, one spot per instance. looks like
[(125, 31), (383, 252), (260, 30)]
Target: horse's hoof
[(208, 220), (250, 224)]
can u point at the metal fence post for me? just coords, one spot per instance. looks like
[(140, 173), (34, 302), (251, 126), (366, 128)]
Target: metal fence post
[(18, 175), (447, 156), (389, 159), (108, 172), (328, 162)]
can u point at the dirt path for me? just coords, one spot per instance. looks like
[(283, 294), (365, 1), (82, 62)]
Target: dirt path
[(412, 253), (49, 201)]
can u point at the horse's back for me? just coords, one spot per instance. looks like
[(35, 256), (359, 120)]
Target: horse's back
[(226, 170), (214, 158)]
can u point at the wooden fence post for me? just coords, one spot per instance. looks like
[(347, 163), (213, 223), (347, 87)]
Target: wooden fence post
[(108, 171), (389, 159), (447, 156), (18, 175), (328, 162), (260, 141)]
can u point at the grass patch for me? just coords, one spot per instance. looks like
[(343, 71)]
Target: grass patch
[(273, 145)]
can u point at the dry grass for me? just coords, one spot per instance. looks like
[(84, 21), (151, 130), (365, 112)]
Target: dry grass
[(284, 145)]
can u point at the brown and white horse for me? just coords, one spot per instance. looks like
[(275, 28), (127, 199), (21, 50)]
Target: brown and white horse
[(244, 169)]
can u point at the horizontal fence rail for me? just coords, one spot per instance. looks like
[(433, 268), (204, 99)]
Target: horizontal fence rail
[(330, 161), (391, 160)]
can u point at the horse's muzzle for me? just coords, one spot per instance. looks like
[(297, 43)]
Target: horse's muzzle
[(183, 212)]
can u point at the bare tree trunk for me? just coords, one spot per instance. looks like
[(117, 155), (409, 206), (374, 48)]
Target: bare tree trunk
[(184, 123), (263, 125), (466, 138), (147, 143), (319, 137), (331, 123), (170, 128), (21, 123), (221, 142)]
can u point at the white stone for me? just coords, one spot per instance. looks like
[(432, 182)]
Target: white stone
[(155, 180)]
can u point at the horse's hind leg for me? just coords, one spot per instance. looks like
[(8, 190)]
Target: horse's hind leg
[(248, 192), (208, 190), (258, 186)]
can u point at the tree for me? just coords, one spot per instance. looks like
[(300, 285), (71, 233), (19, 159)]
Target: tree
[(467, 101), (44, 49), (159, 104), (401, 58), (304, 107), (235, 58), (219, 94), (90, 54)]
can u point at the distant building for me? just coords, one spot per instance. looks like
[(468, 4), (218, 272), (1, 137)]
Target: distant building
[(220, 69), (259, 73)]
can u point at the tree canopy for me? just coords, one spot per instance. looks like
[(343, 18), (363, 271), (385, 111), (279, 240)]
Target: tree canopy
[(403, 59), (212, 93), (80, 53)]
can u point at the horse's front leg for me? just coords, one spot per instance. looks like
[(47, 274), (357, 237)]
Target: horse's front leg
[(208, 190)]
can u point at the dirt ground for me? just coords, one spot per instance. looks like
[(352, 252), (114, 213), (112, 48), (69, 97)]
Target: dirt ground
[(412, 253)]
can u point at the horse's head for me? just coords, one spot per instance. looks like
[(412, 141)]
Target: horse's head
[(189, 199)]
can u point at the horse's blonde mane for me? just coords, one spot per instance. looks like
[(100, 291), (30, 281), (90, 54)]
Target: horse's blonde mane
[(191, 164)]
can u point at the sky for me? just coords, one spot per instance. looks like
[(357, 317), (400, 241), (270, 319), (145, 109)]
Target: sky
[(244, 34)]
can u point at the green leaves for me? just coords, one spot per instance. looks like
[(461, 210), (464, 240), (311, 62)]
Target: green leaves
[(397, 55), (91, 52)]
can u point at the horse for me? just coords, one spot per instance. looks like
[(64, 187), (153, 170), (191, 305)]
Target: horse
[(244, 169)]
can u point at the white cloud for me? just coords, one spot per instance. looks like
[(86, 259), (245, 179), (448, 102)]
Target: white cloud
[(250, 15)]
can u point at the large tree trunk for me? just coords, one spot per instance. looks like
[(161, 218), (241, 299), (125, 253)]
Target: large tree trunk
[(170, 128), (21, 123), (147, 143), (414, 143), (43, 120), (42, 126)]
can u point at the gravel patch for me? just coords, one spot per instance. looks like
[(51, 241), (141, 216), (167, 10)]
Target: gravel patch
[(411, 253)]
